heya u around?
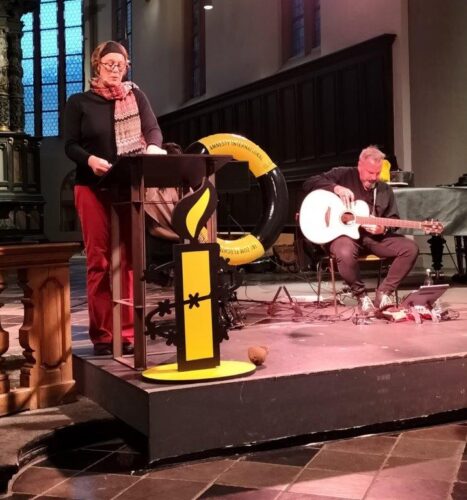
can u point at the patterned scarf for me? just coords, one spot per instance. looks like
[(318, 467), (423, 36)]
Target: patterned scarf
[(128, 135)]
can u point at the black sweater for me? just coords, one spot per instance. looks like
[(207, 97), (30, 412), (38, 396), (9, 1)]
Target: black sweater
[(89, 130), (348, 177)]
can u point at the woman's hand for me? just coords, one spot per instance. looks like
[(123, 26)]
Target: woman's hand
[(152, 149), (98, 165)]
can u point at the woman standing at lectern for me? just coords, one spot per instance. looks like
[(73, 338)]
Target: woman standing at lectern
[(111, 119)]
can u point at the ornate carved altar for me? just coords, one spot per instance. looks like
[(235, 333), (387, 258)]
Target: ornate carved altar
[(21, 203)]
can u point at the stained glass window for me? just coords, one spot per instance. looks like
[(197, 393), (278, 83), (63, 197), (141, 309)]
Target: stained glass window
[(49, 97), (316, 39), (298, 28), (301, 27), (28, 73), (196, 65), (48, 16), (49, 69), (74, 68), (50, 123), (121, 29), (29, 99), (73, 13), (27, 43), (73, 40), (56, 27)]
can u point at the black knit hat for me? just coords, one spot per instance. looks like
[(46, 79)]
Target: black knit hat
[(113, 47)]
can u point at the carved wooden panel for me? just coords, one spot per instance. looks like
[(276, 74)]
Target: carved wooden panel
[(243, 118), (51, 298), (19, 187), (229, 119), (205, 125), (288, 124), (307, 120), (46, 377), (3, 167), (216, 122), (349, 110), (195, 129), (17, 164), (272, 128), (257, 120), (374, 100)]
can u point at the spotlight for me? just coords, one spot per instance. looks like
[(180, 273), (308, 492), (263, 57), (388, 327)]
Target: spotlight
[(208, 5)]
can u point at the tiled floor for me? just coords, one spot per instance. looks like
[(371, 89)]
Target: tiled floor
[(421, 464), (429, 463)]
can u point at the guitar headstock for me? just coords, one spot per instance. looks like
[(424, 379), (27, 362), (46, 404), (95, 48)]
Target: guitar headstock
[(432, 226)]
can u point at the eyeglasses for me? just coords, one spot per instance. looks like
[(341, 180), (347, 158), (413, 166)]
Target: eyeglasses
[(111, 66)]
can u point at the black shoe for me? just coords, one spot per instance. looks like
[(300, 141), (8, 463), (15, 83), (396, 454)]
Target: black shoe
[(103, 349), (128, 348)]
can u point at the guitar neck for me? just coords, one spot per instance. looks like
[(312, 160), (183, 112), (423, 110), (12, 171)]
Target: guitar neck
[(384, 221)]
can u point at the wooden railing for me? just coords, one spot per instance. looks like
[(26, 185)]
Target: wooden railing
[(45, 377)]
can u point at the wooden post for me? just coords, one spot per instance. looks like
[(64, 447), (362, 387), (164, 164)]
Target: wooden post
[(46, 378), (4, 344)]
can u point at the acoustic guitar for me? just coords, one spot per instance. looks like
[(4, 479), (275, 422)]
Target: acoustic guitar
[(324, 217)]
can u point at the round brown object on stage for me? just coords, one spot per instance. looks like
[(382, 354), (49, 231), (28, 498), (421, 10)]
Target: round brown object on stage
[(257, 354)]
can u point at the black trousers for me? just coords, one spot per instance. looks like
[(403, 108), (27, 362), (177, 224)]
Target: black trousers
[(346, 251)]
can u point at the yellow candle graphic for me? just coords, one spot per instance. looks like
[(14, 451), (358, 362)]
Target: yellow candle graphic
[(196, 264), (196, 298)]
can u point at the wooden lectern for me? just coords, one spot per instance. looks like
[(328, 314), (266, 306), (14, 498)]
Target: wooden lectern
[(127, 181)]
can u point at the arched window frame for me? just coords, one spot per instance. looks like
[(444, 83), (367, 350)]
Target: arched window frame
[(195, 49), (301, 27), (52, 46), (122, 31)]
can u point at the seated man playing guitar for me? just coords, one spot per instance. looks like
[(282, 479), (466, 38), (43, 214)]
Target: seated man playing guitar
[(347, 233)]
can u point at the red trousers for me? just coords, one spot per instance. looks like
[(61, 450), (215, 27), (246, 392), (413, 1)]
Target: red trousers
[(93, 207)]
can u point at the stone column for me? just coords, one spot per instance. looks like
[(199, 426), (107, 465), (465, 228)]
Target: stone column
[(4, 96), (15, 74), (11, 71)]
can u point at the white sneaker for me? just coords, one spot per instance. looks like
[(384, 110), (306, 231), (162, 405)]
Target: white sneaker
[(384, 300), (365, 304)]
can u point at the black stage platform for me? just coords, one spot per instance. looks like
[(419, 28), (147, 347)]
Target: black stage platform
[(319, 376)]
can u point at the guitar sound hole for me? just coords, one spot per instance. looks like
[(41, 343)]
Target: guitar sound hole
[(348, 218)]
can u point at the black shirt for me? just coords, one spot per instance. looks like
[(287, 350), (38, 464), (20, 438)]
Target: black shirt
[(89, 130), (384, 202)]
